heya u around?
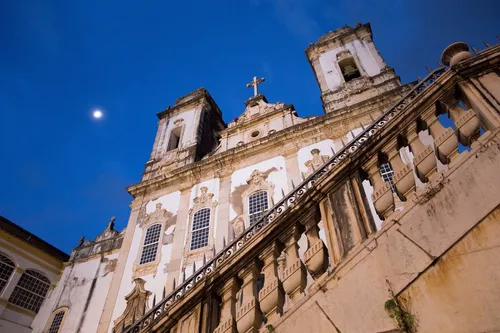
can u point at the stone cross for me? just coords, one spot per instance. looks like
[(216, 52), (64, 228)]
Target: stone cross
[(255, 82)]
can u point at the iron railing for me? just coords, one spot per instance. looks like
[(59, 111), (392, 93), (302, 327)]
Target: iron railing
[(161, 309)]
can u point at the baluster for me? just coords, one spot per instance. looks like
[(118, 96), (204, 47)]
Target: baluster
[(445, 141), (424, 160), (466, 123), (383, 199), (475, 99), (403, 175), (294, 274), (228, 308), (272, 295), (248, 314), (316, 256)]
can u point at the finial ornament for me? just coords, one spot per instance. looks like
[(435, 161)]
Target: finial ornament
[(255, 82), (111, 223), (80, 242)]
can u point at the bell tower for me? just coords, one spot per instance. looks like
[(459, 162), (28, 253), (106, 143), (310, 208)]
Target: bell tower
[(187, 132), (350, 70)]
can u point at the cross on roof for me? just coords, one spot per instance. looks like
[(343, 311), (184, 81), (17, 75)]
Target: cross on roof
[(255, 82)]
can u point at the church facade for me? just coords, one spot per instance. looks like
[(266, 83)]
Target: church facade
[(364, 219)]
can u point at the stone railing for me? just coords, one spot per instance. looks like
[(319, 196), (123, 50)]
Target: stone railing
[(268, 299)]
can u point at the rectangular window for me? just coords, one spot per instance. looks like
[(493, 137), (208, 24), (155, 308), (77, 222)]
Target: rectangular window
[(201, 229), (150, 246), (175, 139), (257, 206), (388, 175)]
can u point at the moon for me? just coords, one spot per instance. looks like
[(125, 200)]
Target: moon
[(97, 114)]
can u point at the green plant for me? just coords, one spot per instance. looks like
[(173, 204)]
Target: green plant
[(404, 319), (270, 328)]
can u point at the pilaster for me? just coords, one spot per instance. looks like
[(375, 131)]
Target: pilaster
[(114, 288), (174, 266), (292, 168), (223, 211), (9, 288)]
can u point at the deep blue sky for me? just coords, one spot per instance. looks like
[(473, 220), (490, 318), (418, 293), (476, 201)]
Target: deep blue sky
[(63, 175)]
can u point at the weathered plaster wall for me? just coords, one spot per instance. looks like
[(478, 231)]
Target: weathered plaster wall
[(154, 282), (83, 289)]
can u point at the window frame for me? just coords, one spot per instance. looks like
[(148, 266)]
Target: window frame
[(52, 316), (204, 200), (15, 301), (9, 277), (157, 242), (257, 182), (249, 215), (387, 174), (208, 228), (178, 131)]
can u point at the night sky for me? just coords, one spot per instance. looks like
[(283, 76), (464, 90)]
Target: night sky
[(64, 174)]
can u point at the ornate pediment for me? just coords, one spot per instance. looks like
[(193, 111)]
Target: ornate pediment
[(204, 199), (256, 107), (137, 305), (159, 215), (258, 181)]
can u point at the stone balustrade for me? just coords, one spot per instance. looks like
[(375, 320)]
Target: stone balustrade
[(246, 277)]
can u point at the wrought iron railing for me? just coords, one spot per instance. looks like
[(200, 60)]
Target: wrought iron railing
[(161, 309)]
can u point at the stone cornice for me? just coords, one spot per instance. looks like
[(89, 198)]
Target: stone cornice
[(200, 97), (227, 159), (335, 38)]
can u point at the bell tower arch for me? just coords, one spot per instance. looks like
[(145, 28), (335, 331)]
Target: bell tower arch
[(350, 70)]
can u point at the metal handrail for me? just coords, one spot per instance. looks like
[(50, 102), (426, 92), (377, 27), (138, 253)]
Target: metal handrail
[(161, 309)]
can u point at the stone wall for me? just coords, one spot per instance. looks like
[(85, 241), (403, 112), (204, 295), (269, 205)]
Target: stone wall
[(439, 257)]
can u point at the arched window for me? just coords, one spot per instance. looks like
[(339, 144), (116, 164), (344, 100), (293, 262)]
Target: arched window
[(257, 206), (349, 69), (201, 229), (56, 320), (7, 267), (30, 291), (150, 246)]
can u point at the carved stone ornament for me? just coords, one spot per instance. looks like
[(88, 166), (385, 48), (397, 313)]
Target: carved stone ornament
[(316, 162), (109, 232), (258, 181), (238, 225), (356, 86), (203, 200), (137, 301), (160, 215), (259, 107)]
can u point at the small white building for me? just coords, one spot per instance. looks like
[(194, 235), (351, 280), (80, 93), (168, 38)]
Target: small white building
[(29, 271)]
